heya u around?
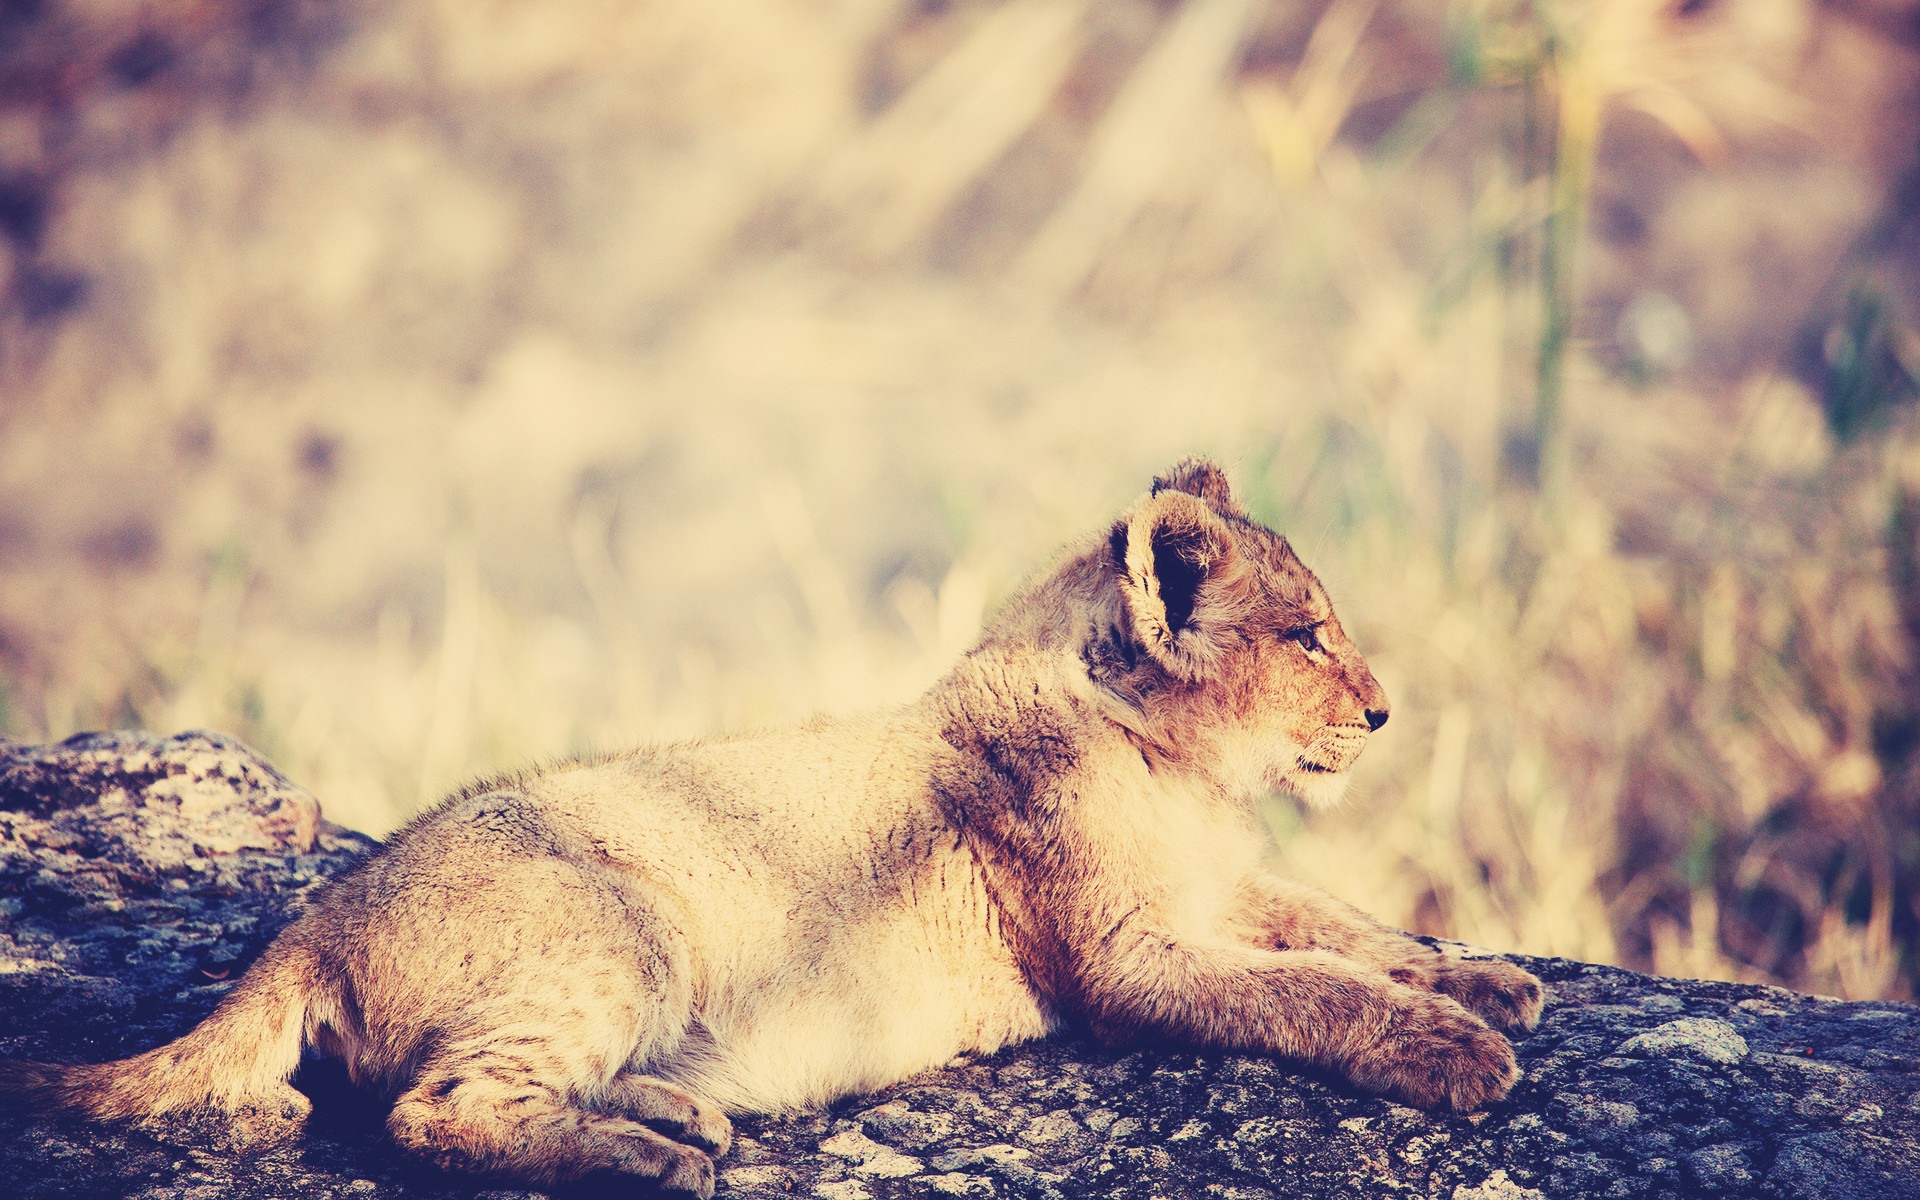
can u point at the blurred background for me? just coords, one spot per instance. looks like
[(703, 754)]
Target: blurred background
[(415, 388)]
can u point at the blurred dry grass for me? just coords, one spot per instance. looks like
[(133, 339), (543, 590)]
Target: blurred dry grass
[(416, 388)]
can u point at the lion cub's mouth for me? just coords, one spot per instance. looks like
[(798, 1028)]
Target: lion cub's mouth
[(1320, 770), (1319, 784), (1331, 751)]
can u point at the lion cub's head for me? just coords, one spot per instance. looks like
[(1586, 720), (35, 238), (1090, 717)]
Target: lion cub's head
[(1225, 654)]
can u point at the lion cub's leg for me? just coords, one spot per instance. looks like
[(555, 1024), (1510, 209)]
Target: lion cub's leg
[(657, 1103), (1292, 916), (532, 1085), (492, 1110), (507, 975), (1313, 1005)]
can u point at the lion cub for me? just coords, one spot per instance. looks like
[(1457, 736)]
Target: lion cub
[(545, 970)]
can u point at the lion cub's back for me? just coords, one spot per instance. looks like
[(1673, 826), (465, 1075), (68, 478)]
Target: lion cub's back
[(805, 800)]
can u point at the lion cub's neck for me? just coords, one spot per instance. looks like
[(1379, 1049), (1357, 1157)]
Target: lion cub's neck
[(1077, 830)]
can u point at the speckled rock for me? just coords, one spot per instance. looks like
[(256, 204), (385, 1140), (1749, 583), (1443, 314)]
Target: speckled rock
[(138, 875)]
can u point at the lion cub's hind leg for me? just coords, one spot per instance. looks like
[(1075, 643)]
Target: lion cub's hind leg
[(520, 975), (529, 1090), (494, 1111), (660, 1105)]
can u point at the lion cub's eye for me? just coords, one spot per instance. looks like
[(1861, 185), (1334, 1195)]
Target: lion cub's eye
[(1307, 636)]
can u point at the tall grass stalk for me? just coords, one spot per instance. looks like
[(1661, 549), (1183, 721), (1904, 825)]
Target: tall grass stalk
[(1578, 100), (1572, 62)]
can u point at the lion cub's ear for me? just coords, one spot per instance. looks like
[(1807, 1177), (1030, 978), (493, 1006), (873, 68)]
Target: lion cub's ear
[(1180, 580), (1198, 476)]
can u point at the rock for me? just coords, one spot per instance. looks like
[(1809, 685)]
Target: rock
[(139, 875), (1700, 1037)]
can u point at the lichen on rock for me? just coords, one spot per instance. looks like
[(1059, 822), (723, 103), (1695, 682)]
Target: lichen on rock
[(1696, 1037)]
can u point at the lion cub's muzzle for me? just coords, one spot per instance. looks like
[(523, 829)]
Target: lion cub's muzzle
[(1335, 749)]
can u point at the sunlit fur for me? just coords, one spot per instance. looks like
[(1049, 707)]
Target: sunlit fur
[(545, 972)]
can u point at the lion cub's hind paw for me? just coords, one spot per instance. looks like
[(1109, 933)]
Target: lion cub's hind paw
[(661, 1106), (1496, 991), (691, 1175), (706, 1129), (264, 1119)]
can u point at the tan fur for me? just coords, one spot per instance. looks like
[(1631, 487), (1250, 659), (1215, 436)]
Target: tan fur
[(548, 970)]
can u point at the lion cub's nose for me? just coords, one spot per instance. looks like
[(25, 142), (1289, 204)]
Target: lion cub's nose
[(1376, 717)]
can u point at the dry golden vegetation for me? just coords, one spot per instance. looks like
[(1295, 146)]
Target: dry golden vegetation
[(419, 387)]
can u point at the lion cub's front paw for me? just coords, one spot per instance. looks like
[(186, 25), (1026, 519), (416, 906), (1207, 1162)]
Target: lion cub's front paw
[(1435, 1054), (1499, 993)]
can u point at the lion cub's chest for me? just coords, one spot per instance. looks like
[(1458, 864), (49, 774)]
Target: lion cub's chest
[(1178, 851)]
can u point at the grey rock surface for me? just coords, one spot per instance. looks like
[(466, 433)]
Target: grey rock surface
[(139, 875)]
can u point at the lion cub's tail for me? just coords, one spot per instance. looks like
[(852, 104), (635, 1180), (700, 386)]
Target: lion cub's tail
[(245, 1049)]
